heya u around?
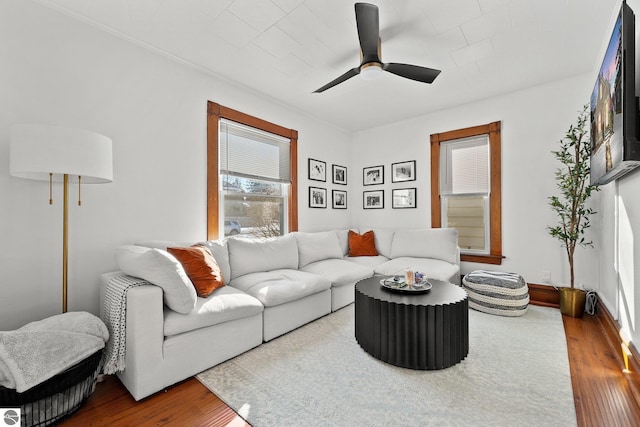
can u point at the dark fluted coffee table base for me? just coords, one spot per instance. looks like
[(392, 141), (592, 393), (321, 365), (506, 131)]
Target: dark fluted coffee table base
[(427, 331)]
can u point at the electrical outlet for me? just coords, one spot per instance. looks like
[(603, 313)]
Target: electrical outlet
[(546, 276)]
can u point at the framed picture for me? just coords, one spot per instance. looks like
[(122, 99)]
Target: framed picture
[(373, 175), (403, 198), (339, 174), (373, 199), (317, 197), (339, 198), (403, 171), (317, 170)]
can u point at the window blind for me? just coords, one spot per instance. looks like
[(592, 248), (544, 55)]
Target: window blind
[(250, 153), (464, 166)]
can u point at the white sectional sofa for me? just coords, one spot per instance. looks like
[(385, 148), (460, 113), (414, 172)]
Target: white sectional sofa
[(271, 287)]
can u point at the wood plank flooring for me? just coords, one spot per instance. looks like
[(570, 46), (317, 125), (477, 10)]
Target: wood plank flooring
[(188, 403), (604, 394)]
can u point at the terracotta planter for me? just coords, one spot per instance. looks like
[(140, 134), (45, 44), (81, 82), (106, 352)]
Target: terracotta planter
[(572, 301)]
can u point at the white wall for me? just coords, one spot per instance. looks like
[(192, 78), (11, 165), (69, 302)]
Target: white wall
[(56, 70), (619, 253), (533, 121), (628, 235), (619, 234)]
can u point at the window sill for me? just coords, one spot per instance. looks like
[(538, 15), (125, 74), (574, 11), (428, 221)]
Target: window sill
[(483, 259)]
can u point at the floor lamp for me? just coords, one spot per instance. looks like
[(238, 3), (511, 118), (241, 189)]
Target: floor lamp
[(58, 154)]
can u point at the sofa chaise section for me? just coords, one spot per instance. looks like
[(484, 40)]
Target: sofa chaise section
[(432, 251)]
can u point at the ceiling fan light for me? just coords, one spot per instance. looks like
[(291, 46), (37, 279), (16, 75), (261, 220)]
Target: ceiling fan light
[(371, 71)]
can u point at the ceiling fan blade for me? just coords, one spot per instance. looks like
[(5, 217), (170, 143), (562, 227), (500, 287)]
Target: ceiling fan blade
[(346, 76), (368, 24), (413, 72)]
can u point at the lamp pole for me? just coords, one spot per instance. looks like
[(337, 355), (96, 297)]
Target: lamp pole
[(65, 240)]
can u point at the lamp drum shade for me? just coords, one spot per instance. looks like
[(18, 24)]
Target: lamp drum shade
[(36, 150)]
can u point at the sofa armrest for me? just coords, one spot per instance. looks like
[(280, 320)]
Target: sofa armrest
[(144, 334)]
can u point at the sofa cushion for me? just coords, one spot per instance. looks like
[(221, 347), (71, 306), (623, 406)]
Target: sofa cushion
[(219, 251), (252, 255), (368, 261), (318, 246), (343, 238), (224, 305), (339, 271), (162, 269), (280, 286), (383, 238), (362, 244), (432, 268), (437, 243), (201, 267)]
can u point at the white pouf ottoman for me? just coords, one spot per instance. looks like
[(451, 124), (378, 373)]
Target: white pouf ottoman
[(497, 292)]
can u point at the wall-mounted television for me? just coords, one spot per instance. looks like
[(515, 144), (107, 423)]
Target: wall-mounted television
[(615, 149)]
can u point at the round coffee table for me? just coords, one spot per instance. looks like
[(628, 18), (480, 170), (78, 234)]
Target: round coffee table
[(422, 331)]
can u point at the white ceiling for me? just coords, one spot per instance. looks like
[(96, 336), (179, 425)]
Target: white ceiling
[(286, 49)]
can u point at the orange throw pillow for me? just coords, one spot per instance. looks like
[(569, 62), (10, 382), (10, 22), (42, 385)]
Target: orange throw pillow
[(201, 267), (362, 244)]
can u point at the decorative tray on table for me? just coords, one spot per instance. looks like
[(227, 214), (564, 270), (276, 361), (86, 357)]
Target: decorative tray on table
[(397, 284)]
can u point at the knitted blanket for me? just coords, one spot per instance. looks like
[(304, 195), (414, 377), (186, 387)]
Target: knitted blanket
[(114, 314)]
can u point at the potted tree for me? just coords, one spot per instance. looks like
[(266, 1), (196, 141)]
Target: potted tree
[(572, 180)]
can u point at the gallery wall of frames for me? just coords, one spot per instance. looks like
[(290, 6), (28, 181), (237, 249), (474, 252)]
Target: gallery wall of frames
[(401, 198), (318, 196)]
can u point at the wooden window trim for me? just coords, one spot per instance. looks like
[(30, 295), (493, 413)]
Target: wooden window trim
[(215, 112), (495, 196)]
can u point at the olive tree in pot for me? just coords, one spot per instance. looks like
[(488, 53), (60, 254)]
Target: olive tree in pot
[(572, 180)]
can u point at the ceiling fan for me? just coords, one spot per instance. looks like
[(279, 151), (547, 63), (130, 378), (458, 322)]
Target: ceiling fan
[(368, 24)]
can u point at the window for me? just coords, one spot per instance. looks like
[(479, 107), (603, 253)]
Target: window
[(251, 170), (465, 189)]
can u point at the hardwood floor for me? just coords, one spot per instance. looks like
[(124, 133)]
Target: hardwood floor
[(604, 394), (188, 403)]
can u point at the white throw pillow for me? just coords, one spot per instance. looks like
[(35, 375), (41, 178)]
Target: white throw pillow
[(436, 243), (218, 249), (253, 255), (162, 269), (318, 246), (163, 244)]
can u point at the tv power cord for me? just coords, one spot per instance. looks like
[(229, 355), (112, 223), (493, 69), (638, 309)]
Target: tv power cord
[(591, 301)]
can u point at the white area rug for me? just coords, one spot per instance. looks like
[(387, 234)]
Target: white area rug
[(516, 373)]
